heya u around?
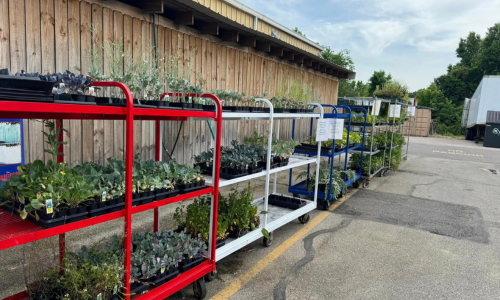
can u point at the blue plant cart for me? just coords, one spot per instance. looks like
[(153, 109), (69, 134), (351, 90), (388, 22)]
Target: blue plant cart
[(301, 187)]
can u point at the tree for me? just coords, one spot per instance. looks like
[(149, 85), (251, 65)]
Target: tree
[(445, 113), (352, 88), (379, 78), (468, 49), (392, 89), (459, 83), (296, 29), (489, 54), (342, 58)]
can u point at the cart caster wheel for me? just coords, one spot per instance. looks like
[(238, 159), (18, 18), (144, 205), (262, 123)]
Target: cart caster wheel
[(200, 289), (326, 204), (366, 184), (355, 184), (304, 218), (268, 241), (296, 195), (211, 276)]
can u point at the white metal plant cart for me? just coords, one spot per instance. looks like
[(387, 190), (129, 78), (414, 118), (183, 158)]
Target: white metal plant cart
[(277, 216)]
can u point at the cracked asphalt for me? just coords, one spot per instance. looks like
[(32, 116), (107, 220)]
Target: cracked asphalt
[(429, 231)]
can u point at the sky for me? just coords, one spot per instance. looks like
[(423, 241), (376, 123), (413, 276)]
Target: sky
[(414, 40)]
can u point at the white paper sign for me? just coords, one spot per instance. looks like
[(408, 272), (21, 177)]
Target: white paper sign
[(338, 129), (376, 107), (411, 111), (322, 131), (395, 111)]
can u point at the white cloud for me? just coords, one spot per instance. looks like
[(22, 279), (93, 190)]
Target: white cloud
[(394, 35)]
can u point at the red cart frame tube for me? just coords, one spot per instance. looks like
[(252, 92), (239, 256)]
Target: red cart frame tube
[(129, 160)]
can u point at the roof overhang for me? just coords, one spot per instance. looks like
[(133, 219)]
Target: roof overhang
[(207, 21)]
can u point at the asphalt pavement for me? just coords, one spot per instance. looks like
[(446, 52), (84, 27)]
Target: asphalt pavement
[(428, 231)]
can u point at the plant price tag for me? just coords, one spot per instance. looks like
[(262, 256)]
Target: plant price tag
[(103, 196), (190, 100), (48, 205), (20, 198), (163, 267), (91, 91), (411, 111), (322, 131), (167, 98), (376, 107), (338, 129), (395, 111), (115, 290), (99, 296)]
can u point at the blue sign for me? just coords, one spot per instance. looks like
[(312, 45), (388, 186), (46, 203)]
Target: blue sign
[(11, 147)]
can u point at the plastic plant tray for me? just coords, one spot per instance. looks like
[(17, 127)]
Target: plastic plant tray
[(281, 200), (192, 189), (185, 266), (169, 194)]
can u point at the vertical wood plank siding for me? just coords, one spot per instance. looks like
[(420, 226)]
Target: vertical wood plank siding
[(58, 35)]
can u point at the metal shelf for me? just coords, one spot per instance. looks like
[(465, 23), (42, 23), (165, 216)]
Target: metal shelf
[(40, 110), (277, 217), (14, 231), (295, 161), (265, 116), (366, 152), (310, 153)]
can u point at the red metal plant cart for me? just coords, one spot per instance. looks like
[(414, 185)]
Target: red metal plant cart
[(14, 231)]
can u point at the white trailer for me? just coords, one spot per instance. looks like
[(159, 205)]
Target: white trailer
[(485, 98)]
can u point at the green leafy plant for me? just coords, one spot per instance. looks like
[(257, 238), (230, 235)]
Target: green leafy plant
[(338, 182)]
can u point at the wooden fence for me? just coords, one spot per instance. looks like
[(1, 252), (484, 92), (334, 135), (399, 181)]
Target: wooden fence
[(56, 35)]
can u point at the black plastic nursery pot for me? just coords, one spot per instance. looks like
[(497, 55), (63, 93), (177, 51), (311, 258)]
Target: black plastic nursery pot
[(189, 263), (231, 173), (163, 104), (164, 194), (142, 198), (253, 170), (286, 201), (190, 187), (220, 243), (208, 107), (137, 287), (168, 275), (237, 233), (63, 97)]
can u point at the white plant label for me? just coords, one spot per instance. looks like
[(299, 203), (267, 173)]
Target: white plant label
[(103, 196), (395, 111), (190, 100), (115, 290), (20, 197), (338, 130), (49, 207), (163, 267), (99, 296), (167, 98), (54, 90), (376, 107), (91, 91), (411, 111), (62, 85), (322, 131)]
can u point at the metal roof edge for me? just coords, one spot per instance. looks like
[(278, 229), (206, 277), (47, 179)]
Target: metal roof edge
[(270, 21)]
